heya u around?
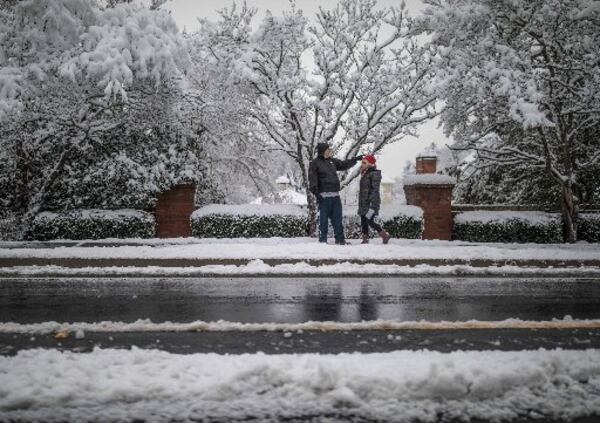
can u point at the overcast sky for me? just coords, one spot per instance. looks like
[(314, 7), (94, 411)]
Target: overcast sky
[(392, 159)]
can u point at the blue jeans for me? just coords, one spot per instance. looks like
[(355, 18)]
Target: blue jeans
[(331, 208)]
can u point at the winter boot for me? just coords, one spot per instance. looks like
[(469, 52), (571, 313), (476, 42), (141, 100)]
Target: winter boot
[(365, 239), (385, 237)]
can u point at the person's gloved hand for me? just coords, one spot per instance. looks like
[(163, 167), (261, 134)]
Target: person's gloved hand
[(359, 158), (319, 198), (370, 214)]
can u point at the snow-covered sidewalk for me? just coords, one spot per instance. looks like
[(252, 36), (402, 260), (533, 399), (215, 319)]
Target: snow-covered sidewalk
[(151, 385), (277, 251)]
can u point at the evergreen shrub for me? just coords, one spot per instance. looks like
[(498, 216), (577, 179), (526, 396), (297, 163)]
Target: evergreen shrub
[(508, 226), (288, 221), (588, 227), (93, 224)]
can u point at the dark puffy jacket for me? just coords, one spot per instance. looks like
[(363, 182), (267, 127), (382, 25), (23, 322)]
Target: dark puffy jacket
[(368, 194), (322, 173)]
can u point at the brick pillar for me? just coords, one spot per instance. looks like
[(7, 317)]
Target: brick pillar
[(173, 210), (432, 193)]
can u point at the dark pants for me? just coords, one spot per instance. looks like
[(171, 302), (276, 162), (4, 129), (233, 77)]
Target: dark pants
[(365, 223), (330, 208)]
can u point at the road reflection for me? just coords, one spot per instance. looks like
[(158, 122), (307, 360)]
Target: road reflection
[(296, 300)]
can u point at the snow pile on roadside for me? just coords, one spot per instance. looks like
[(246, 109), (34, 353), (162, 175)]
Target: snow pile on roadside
[(259, 267), (146, 325), (398, 386)]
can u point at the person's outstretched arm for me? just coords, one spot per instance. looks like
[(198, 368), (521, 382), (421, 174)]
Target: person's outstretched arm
[(341, 165)]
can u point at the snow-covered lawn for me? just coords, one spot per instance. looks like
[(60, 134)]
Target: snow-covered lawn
[(309, 249), (398, 386)]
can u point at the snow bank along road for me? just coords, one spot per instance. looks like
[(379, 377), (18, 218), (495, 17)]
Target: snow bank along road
[(150, 385), (278, 251)]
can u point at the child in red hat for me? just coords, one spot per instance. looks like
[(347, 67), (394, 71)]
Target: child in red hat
[(369, 199)]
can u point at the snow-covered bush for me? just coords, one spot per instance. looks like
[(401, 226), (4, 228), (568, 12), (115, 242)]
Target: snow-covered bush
[(508, 226), (507, 82), (92, 224), (249, 221), (270, 220), (92, 107), (10, 228), (589, 227)]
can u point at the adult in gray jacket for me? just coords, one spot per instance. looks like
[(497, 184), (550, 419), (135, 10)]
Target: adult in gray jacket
[(369, 199), (325, 185)]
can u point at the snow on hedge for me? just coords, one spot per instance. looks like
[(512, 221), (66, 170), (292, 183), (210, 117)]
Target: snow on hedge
[(428, 179), (93, 224), (121, 214), (588, 227), (151, 385), (389, 211), (386, 212), (287, 220), (247, 210), (508, 226), (501, 216)]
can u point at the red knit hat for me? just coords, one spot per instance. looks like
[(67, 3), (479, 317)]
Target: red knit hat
[(370, 158)]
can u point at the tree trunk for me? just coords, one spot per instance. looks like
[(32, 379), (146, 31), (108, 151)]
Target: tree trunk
[(38, 200), (310, 198), (569, 213), (21, 179), (312, 215)]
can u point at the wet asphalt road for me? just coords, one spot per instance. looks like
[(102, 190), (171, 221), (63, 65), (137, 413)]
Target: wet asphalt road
[(333, 342), (293, 300)]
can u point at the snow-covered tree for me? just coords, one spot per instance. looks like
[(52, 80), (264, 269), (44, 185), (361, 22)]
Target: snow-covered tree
[(520, 80), (87, 93), (211, 96), (355, 77)]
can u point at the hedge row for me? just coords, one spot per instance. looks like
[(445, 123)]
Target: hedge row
[(10, 228), (400, 226), (224, 226), (508, 226), (92, 224), (588, 227), (291, 221)]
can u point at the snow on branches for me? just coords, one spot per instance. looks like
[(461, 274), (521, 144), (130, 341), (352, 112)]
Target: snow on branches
[(354, 77), (520, 82), (81, 41), (89, 101)]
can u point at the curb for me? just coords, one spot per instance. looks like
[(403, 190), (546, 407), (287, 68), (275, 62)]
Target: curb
[(177, 262)]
